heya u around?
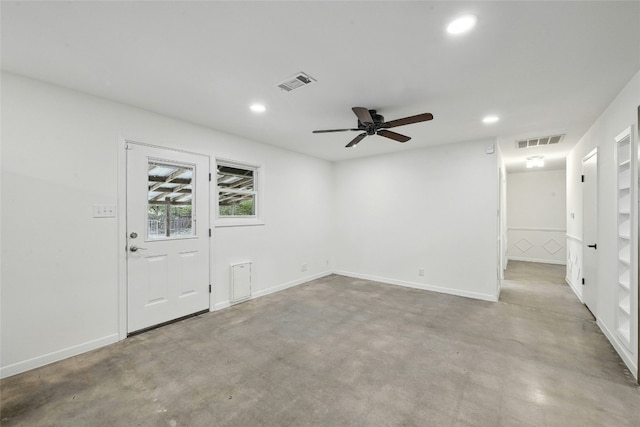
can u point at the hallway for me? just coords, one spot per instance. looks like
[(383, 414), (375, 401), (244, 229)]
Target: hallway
[(542, 290), (340, 351), (542, 287)]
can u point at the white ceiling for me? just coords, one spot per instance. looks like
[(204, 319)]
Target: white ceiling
[(543, 67)]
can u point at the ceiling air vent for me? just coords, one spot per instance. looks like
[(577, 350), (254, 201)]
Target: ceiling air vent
[(536, 142), (296, 81)]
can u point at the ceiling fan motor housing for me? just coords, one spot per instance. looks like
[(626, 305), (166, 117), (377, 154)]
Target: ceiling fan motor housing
[(377, 118), (371, 128), (372, 123)]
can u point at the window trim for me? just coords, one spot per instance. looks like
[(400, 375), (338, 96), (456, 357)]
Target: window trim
[(258, 191)]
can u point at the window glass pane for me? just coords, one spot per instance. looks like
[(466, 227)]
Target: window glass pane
[(236, 191), (170, 201), (233, 204), (234, 178)]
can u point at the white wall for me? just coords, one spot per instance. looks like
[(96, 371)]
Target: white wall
[(621, 114), (432, 208), (536, 202), (60, 265)]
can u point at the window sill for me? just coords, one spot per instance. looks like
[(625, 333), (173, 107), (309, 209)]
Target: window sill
[(237, 222)]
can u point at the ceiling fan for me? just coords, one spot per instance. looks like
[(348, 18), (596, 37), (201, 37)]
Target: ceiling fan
[(372, 123)]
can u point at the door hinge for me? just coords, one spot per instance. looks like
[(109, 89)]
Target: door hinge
[(209, 232), (583, 280), (209, 288), (582, 178), (209, 176)]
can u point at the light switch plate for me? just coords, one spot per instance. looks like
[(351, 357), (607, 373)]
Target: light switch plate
[(104, 211)]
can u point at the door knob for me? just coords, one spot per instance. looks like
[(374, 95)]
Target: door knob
[(594, 246), (136, 248)]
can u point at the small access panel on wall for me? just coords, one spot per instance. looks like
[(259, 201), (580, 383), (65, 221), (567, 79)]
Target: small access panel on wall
[(625, 196), (240, 282)]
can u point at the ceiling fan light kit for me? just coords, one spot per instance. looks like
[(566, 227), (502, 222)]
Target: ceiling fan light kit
[(372, 123)]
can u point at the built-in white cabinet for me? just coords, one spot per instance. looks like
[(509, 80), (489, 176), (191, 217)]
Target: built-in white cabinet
[(625, 188)]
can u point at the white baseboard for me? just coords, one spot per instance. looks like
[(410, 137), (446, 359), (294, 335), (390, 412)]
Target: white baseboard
[(620, 348), (220, 305), (574, 288), (257, 294), (424, 287), (45, 359), (291, 284), (540, 260)]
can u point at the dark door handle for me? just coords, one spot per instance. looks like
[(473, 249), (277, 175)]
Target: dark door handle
[(594, 246)]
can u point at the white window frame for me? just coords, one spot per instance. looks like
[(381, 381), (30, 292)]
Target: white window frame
[(258, 190)]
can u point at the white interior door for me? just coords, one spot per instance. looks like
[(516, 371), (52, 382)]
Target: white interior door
[(590, 231), (167, 235)]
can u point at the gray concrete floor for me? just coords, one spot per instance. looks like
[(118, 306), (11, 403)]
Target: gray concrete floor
[(346, 352)]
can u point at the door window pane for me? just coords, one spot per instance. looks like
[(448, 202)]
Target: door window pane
[(170, 201)]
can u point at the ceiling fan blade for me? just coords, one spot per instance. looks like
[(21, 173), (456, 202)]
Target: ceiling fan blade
[(393, 135), (356, 140), (408, 120), (333, 130), (363, 115)]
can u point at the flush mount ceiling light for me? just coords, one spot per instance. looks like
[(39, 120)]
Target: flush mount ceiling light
[(535, 162), (490, 119), (462, 24), (258, 108)]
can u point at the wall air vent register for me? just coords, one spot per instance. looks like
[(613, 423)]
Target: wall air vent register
[(536, 142), (296, 81)]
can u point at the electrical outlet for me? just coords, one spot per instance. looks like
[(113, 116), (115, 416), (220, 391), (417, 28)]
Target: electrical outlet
[(303, 267), (104, 211), (421, 272)]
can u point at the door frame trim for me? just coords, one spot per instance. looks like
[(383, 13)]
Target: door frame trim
[(122, 238), (586, 158), (122, 227), (589, 155)]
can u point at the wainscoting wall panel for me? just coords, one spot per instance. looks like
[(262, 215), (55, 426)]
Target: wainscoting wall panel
[(574, 264), (537, 245)]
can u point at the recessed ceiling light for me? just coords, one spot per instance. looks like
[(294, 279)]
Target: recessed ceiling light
[(258, 108), (490, 119), (462, 24)]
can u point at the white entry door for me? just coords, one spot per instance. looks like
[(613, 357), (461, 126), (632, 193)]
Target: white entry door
[(590, 231), (167, 235)]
